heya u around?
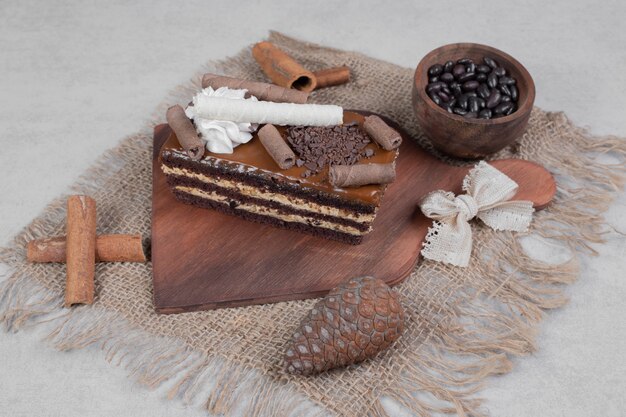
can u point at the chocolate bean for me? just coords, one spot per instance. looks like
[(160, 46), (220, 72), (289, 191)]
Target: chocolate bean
[(512, 109), (447, 106), (459, 111), (466, 77), (503, 108), (472, 89), (506, 80), (494, 99), (470, 85), (446, 77), (485, 114), (462, 101), (434, 87), (456, 89), (458, 70), (491, 62), (483, 91), (435, 98), (472, 104), (435, 70), (514, 92)]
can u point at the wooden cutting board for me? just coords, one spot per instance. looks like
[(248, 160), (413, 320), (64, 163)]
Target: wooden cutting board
[(203, 259)]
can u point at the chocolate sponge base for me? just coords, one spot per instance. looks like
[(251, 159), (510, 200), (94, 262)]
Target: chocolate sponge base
[(232, 210)]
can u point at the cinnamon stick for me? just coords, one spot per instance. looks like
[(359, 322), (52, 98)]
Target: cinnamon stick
[(262, 91), (185, 132), (332, 76), (109, 248), (81, 250), (361, 174), (283, 69)]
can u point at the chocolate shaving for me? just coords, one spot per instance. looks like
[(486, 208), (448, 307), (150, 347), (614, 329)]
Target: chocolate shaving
[(318, 147), (262, 91), (275, 145), (362, 174), (388, 138), (185, 132)]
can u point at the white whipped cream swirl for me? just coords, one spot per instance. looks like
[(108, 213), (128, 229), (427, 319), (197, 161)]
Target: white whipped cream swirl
[(221, 136)]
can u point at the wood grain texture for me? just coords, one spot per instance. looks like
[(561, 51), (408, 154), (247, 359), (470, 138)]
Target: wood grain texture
[(204, 260), (471, 138)]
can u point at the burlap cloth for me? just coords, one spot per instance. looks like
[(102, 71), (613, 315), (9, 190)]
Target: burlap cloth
[(463, 325)]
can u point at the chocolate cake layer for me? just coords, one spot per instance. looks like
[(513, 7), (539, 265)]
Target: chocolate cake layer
[(223, 207), (252, 158), (269, 191), (248, 183), (309, 210), (249, 175), (267, 211)]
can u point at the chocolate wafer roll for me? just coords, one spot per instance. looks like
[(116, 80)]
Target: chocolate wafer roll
[(361, 174), (185, 132), (262, 91), (276, 146), (388, 138)]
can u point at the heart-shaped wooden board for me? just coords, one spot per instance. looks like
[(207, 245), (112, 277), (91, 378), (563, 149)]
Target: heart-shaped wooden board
[(203, 259)]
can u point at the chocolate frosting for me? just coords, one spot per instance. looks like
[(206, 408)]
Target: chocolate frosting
[(254, 158)]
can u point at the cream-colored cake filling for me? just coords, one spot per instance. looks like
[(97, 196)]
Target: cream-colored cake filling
[(248, 190), (270, 212)]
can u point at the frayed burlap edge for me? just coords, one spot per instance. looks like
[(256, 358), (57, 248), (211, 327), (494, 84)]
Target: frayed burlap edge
[(440, 374)]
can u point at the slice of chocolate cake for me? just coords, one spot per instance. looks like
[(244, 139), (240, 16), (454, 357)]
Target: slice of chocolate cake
[(249, 183)]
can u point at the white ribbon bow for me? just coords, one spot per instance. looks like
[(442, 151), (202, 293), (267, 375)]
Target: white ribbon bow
[(488, 190)]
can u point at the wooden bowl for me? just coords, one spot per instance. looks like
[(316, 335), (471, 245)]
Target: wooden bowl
[(471, 138)]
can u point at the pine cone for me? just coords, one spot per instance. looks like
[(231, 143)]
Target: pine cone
[(354, 322)]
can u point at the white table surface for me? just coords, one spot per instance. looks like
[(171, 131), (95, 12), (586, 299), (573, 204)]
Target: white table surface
[(77, 76)]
